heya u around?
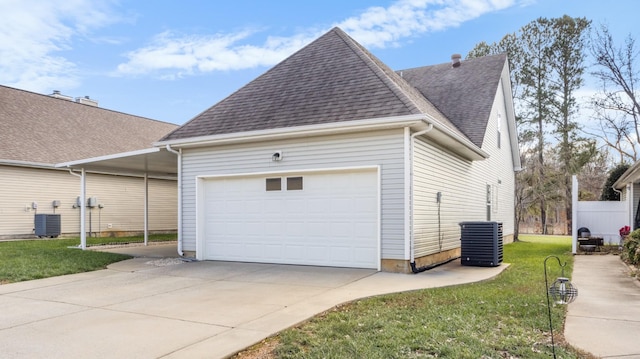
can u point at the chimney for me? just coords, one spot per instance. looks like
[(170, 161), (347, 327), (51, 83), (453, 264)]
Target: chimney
[(87, 101), (455, 60), (57, 94)]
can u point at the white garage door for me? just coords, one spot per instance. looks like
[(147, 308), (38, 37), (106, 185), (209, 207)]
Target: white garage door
[(326, 218)]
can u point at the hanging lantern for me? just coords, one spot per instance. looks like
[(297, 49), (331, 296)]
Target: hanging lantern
[(562, 291)]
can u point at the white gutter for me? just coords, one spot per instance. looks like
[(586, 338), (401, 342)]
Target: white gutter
[(433, 123), (26, 164), (444, 135), (179, 154), (297, 131), (410, 199), (109, 157)]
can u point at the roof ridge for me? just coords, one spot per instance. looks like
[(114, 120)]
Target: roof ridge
[(83, 104), (464, 93), (408, 94), (473, 59), (376, 67)]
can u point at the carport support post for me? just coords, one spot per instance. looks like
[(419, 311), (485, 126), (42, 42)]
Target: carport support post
[(83, 209), (146, 209)]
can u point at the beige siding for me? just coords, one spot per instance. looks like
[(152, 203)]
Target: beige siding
[(122, 198), (383, 148)]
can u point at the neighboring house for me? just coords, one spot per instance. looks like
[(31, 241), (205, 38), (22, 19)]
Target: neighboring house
[(39, 131), (629, 185), (605, 219), (332, 159)]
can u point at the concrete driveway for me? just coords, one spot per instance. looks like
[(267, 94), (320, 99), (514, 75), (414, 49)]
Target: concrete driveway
[(168, 308)]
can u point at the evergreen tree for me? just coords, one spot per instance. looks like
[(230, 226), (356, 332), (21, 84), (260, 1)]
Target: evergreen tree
[(608, 193)]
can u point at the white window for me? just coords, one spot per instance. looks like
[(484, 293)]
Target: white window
[(274, 184), (499, 129)]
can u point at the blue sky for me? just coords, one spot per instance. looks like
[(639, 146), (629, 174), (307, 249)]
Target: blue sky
[(170, 60)]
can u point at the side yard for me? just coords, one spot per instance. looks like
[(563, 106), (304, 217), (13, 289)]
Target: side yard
[(502, 318), (35, 259)]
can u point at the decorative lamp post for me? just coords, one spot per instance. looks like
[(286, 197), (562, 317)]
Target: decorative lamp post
[(562, 291)]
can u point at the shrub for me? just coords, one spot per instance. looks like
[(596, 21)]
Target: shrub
[(631, 251)]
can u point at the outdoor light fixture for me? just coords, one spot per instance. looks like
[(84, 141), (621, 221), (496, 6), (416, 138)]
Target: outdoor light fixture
[(277, 156), (561, 291)]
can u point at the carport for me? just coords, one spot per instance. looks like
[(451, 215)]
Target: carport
[(155, 162)]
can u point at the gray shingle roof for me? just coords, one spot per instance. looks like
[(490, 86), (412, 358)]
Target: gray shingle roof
[(464, 94), (335, 79), (42, 129)]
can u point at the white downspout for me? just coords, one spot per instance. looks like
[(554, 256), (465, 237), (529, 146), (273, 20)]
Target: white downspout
[(179, 154), (411, 155)]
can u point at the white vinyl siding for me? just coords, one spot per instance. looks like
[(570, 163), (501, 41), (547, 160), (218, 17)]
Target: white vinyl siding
[(497, 170), (377, 148), (463, 185), (121, 196), (437, 170), (635, 192)]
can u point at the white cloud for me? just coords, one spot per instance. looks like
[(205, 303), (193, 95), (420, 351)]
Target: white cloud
[(382, 27), (171, 55), (33, 34), (36, 35)]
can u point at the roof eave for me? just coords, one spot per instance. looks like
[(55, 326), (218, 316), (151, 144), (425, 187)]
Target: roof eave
[(294, 132), (629, 176), (454, 141), (78, 163), (26, 164), (154, 162), (505, 81), (440, 134)]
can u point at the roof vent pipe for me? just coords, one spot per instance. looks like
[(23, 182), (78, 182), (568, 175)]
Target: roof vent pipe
[(455, 60)]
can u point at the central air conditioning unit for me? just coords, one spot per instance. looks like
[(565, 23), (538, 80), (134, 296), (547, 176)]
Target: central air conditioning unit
[(481, 244), (47, 225)]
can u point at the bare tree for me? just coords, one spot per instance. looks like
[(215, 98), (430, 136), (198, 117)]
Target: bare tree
[(616, 104)]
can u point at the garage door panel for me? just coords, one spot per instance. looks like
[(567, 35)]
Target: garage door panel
[(332, 221)]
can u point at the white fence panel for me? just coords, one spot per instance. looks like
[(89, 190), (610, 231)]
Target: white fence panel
[(603, 218)]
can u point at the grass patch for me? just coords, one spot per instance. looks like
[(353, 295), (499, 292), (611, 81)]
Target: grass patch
[(36, 259), (502, 318)]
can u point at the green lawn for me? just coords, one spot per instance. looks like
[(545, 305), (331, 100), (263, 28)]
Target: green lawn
[(502, 318), (34, 259)]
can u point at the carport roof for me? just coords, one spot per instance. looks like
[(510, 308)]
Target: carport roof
[(155, 162)]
